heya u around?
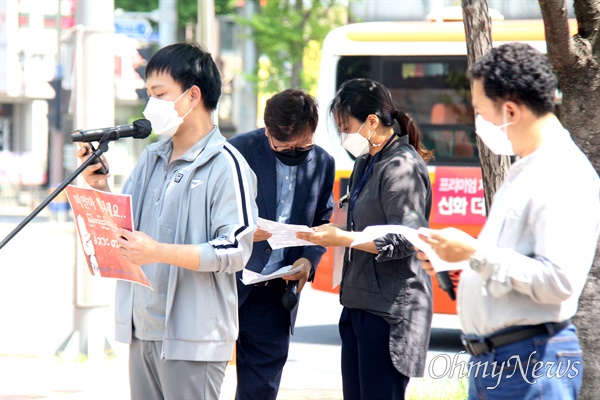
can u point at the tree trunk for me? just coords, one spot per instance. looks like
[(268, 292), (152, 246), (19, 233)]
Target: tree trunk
[(296, 81), (576, 63), (479, 41)]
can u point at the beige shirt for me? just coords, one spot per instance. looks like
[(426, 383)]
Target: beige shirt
[(539, 240)]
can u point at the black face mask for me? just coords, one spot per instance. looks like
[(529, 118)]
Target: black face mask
[(292, 157)]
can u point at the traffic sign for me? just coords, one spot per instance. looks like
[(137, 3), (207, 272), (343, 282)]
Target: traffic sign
[(136, 28)]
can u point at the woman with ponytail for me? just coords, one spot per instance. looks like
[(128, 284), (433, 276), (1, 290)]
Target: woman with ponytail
[(387, 298)]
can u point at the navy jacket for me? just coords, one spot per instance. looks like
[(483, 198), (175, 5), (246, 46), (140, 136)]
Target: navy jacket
[(313, 198)]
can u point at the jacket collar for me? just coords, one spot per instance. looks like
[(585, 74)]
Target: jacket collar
[(202, 151)]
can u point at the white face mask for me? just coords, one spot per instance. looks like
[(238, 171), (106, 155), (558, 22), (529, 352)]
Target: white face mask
[(163, 116), (355, 143), (495, 137)]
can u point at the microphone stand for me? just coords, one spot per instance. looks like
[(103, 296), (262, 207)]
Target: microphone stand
[(84, 315), (102, 148)]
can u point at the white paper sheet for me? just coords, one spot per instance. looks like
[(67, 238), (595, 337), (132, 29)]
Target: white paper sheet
[(284, 235), (373, 232), (251, 277)]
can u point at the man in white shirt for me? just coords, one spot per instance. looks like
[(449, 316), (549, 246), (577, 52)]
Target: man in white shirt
[(530, 263)]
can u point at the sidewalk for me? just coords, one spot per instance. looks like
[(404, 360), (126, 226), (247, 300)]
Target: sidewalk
[(49, 378), (312, 370), (36, 310)]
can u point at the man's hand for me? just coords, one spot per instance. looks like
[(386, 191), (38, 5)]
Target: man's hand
[(425, 264), (260, 235), (450, 244), (302, 275), (97, 181), (454, 275), (137, 247)]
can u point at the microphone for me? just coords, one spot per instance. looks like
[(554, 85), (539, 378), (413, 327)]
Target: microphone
[(289, 298), (140, 129), (446, 284), (414, 220)]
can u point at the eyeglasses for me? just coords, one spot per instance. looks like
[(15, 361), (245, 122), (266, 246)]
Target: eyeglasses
[(287, 149)]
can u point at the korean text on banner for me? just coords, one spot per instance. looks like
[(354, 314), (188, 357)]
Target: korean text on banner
[(458, 196), (99, 215)]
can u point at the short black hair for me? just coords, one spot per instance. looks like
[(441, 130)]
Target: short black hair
[(517, 72), (189, 64), (291, 114)]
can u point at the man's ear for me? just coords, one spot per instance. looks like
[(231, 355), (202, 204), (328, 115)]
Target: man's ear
[(196, 95), (513, 112)]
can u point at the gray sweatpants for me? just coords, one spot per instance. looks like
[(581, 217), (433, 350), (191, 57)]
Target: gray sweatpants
[(152, 378)]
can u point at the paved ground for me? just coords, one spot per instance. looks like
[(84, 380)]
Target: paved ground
[(37, 317)]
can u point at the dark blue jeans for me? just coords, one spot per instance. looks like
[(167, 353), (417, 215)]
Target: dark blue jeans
[(542, 367), (367, 369)]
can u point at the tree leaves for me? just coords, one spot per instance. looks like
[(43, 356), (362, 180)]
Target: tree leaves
[(283, 31)]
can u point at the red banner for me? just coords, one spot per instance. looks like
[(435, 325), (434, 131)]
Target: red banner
[(458, 196), (98, 216)]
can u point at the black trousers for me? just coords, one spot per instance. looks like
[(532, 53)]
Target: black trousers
[(367, 369), (263, 343)]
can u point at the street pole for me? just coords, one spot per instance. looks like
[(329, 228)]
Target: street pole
[(167, 24), (206, 25), (247, 99), (94, 108), (205, 34)]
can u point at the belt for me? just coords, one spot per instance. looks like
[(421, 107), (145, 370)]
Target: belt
[(478, 345)]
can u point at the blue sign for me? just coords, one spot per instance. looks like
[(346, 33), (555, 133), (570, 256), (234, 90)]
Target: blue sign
[(134, 28)]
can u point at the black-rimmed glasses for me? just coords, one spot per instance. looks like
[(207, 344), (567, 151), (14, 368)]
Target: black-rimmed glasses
[(287, 149)]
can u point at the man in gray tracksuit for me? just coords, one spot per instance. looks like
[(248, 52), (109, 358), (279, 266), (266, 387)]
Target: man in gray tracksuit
[(195, 214)]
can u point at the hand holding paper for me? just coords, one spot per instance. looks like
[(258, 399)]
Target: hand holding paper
[(449, 244), (327, 235), (412, 235), (261, 234), (283, 235), (251, 277)]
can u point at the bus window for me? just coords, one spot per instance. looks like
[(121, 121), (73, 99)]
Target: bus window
[(434, 90)]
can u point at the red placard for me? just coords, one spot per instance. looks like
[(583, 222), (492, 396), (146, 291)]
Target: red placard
[(458, 196), (98, 216)]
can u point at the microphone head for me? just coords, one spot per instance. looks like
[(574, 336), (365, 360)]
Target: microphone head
[(143, 128), (289, 300), (446, 284)]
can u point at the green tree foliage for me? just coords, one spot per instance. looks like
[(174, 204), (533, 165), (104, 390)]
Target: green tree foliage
[(282, 31), (187, 10)]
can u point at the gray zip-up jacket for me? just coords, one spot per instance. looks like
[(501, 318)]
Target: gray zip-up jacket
[(210, 202)]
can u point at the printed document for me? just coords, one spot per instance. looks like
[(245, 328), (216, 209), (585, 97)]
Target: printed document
[(98, 217), (251, 277), (284, 235), (373, 232)]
